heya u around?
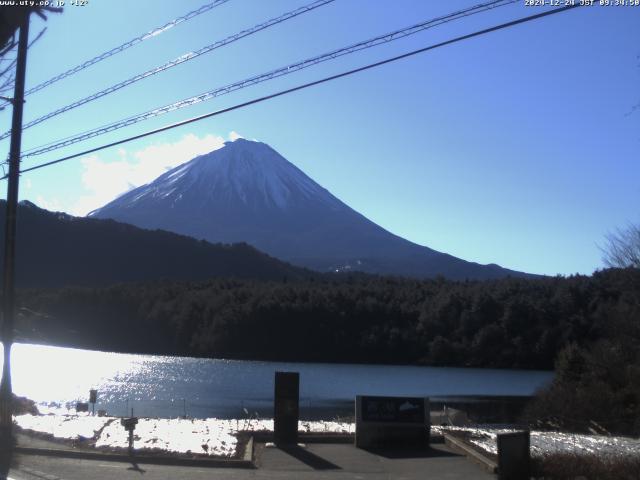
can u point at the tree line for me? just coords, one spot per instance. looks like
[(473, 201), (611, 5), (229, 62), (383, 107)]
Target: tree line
[(507, 323)]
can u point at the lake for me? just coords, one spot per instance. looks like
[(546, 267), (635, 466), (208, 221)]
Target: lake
[(162, 386)]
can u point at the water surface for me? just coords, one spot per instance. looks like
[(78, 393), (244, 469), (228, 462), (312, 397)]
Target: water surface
[(162, 386)]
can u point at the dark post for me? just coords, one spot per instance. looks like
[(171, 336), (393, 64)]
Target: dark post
[(514, 456), (93, 398), (286, 408), (131, 442), (129, 425), (8, 296)]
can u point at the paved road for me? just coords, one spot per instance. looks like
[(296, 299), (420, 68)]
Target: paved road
[(316, 461)]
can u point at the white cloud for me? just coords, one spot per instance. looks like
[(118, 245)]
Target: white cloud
[(53, 205), (104, 181), (233, 136)]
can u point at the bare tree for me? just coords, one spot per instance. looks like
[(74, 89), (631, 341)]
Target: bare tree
[(9, 21), (622, 248)]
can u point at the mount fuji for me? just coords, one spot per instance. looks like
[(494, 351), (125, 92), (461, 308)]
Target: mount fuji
[(247, 192)]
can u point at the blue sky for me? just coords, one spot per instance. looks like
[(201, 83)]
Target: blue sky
[(519, 147)]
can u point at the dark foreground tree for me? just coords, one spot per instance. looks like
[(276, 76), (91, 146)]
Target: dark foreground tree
[(622, 249), (10, 16), (597, 383)]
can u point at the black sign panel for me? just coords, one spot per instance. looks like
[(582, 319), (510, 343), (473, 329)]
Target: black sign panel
[(286, 407), (393, 409), (129, 424), (93, 396)]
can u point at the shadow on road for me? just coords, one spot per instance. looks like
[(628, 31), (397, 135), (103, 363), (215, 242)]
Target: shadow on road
[(398, 453), (308, 458), (135, 467)]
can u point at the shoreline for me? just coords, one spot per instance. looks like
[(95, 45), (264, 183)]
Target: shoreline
[(222, 358)]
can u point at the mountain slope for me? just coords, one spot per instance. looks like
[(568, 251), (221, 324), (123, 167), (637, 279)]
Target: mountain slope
[(56, 249), (248, 192)]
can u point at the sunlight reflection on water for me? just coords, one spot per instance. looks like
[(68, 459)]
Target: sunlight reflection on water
[(45, 373), (171, 386)]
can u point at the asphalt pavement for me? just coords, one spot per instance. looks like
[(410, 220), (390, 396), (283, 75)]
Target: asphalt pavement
[(312, 461)]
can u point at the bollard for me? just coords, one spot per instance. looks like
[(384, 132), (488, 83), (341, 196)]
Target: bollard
[(286, 408), (514, 456)]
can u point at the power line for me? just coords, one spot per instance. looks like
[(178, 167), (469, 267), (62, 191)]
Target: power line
[(306, 85), (7, 83), (128, 44), (282, 71), (177, 61), (387, 37)]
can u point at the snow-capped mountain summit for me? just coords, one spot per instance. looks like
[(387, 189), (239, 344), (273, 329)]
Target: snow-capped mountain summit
[(247, 192), (250, 172)]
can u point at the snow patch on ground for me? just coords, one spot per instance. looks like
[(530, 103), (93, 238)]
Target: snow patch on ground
[(208, 437), (64, 427), (217, 437), (545, 443)]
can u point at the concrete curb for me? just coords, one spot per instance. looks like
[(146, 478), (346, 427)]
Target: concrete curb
[(466, 450), (328, 438), (245, 462), (265, 437)]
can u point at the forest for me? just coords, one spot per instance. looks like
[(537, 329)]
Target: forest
[(508, 323)]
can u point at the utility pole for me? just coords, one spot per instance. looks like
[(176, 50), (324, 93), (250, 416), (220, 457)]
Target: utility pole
[(8, 294)]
